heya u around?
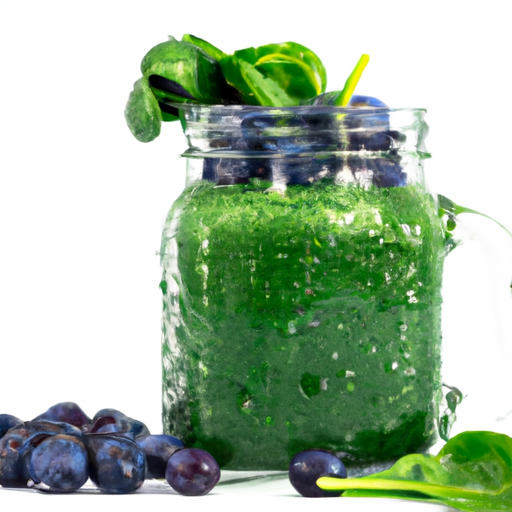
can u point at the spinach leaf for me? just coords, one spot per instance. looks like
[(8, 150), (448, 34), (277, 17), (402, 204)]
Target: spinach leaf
[(211, 50), (279, 75), (142, 112), (198, 75), (473, 473), (254, 88)]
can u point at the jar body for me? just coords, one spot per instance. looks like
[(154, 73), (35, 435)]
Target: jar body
[(302, 316)]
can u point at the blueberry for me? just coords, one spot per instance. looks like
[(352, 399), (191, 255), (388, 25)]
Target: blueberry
[(192, 472), (308, 466), (112, 420), (14, 445), (358, 100), (17, 444), (7, 421), (299, 131), (67, 412), (59, 463), (158, 450), (274, 132), (387, 173), (230, 171), (55, 427), (117, 465)]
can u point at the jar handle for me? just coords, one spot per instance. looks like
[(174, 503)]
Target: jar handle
[(454, 396)]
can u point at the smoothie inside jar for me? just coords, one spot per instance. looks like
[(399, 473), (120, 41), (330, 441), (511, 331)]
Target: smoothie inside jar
[(302, 299)]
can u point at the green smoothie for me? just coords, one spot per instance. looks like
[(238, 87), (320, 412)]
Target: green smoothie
[(303, 318)]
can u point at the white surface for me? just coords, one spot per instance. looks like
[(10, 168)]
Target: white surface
[(82, 202), (269, 493)]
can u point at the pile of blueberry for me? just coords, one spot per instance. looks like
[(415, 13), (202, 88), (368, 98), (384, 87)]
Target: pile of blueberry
[(302, 145), (59, 450)]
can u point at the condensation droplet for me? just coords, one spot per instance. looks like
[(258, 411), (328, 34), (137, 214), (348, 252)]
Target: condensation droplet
[(406, 228)]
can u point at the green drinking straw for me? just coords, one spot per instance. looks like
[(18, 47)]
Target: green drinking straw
[(350, 85)]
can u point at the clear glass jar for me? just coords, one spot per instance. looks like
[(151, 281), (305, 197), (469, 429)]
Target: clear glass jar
[(302, 272)]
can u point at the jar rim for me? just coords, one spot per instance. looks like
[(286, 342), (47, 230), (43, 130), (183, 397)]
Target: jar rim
[(233, 109)]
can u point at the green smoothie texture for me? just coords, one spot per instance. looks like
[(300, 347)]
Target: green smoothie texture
[(309, 318)]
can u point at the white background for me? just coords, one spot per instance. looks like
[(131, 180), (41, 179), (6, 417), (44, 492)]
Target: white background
[(82, 203)]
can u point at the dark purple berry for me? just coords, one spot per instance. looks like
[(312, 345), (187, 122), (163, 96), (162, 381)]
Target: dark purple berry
[(158, 449), (308, 466), (67, 412), (112, 420), (7, 421), (14, 445), (59, 463), (192, 472), (52, 427), (117, 465)]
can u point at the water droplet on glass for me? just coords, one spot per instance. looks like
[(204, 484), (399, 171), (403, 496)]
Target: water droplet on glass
[(406, 229)]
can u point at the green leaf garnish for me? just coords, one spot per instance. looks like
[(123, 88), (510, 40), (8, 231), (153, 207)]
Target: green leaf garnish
[(211, 50), (473, 472), (279, 75), (350, 85), (189, 66), (142, 112)]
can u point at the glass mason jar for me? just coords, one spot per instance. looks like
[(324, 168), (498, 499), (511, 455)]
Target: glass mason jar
[(302, 272)]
